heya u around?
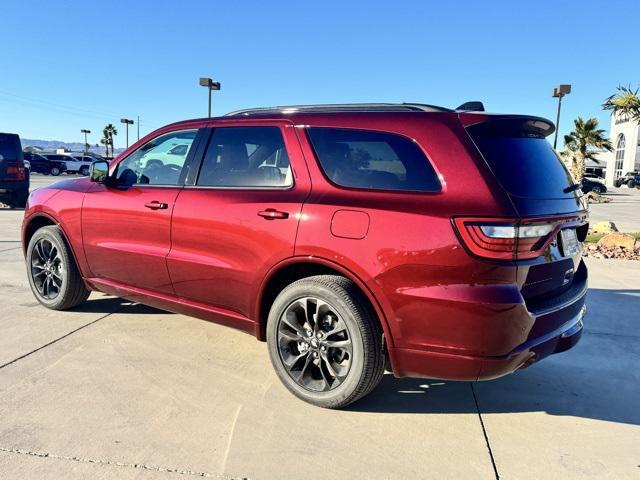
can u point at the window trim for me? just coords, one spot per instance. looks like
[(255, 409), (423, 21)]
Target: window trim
[(441, 182), (192, 183)]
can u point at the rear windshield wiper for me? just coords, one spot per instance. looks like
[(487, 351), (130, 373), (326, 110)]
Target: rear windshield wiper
[(572, 188)]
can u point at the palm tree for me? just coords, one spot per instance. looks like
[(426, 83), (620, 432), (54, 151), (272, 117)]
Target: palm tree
[(108, 132), (583, 144), (625, 103), (105, 141)]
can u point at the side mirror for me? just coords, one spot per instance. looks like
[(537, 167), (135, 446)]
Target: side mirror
[(99, 171)]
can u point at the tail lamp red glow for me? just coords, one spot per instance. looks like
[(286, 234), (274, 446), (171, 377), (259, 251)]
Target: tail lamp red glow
[(505, 239), (15, 170)]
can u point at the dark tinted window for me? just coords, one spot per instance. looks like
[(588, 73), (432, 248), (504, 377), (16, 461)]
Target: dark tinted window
[(524, 163), (10, 148), (246, 157), (373, 160)]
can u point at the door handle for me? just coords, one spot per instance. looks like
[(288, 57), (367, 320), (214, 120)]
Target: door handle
[(155, 205), (273, 214)]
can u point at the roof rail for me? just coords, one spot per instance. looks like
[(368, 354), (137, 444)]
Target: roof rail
[(340, 107)]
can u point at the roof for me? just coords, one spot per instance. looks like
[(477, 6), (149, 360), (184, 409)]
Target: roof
[(339, 108)]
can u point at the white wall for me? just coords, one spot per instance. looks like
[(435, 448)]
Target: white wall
[(630, 130)]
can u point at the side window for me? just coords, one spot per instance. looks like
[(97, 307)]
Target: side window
[(158, 162), (372, 160), (246, 157)]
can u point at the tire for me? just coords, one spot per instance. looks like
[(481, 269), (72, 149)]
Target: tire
[(617, 184), (20, 199), (55, 171), (354, 326), (631, 183), (66, 288), (597, 190), (84, 171)]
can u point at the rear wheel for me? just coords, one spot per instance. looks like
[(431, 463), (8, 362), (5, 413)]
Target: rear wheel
[(617, 183), (325, 342), (53, 275)]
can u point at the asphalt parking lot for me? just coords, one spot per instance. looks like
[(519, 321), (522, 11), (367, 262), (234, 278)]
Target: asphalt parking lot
[(116, 390)]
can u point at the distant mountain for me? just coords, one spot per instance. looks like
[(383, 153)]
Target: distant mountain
[(69, 146)]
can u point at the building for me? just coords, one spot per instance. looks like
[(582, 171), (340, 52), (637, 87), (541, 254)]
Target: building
[(625, 157)]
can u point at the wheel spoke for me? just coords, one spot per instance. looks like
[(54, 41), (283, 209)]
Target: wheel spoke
[(290, 323), (307, 361), (338, 343)]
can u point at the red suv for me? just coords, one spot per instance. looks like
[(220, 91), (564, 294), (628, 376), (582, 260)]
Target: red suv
[(440, 243)]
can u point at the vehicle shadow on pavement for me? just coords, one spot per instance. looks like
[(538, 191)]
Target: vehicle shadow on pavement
[(109, 304), (598, 379)]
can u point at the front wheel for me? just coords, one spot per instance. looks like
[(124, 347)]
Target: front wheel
[(325, 342), (84, 171), (55, 171), (631, 184), (597, 190), (53, 275)]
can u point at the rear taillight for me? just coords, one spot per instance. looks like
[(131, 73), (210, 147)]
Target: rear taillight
[(15, 170), (505, 239)]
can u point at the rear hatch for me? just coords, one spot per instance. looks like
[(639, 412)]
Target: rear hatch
[(552, 213), (11, 159)]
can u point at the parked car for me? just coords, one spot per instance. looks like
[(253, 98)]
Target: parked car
[(14, 178), (343, 235), (72, 164), (630, 179), (82, 164), (592, 185), (41, 164)]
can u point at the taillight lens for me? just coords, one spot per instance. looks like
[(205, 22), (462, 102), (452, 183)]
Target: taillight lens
[(15, 170), (505, 239)]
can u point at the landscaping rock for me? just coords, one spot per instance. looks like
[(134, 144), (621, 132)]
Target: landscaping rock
[(614, 240), (603, 227)]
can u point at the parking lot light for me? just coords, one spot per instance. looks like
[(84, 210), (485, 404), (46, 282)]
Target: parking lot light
[(127, 122), (211, 85), (86, 145), (559, 92)]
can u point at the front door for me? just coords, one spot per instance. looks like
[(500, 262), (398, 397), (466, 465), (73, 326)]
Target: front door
[(239, 217), (126, 227)]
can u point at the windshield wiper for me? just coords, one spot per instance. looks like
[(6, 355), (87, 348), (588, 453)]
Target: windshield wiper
[(572, 188)]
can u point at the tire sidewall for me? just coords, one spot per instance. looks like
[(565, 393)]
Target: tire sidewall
[(55, 171), (47, 233), (356, 370)]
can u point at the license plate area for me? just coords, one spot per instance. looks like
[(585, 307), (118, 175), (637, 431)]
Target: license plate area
[(569, 244)]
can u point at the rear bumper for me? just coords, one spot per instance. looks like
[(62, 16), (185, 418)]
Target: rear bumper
[(418, 363), (7, 189)]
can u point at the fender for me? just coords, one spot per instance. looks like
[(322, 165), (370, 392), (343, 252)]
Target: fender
[(364, 287)]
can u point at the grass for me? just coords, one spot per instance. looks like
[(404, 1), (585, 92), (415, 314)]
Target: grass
[(594, 237)]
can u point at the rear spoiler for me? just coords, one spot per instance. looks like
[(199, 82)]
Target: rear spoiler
[(497, 123)]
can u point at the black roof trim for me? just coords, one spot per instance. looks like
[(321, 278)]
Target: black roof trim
[(339, 108)]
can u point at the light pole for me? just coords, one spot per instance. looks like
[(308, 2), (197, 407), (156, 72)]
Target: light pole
[(86, 145), (559, 92), (211, 85), (127, 122)]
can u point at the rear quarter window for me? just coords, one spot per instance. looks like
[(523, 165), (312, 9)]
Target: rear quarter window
[(10, 148), (372, 160)]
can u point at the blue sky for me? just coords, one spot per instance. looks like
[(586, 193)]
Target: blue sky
[(71, 65)]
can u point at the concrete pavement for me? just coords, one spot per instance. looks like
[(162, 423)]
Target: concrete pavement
[(114, 390)]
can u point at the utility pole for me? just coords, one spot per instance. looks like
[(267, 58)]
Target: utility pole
[(211, 85), (559, 92), (86, 145), (127, 122)]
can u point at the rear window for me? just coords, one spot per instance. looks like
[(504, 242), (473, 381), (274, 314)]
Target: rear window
[(10, 148), (524, 162), (372, 160)]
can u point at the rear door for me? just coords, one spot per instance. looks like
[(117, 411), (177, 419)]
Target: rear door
[(126, 228), (238, 217)]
